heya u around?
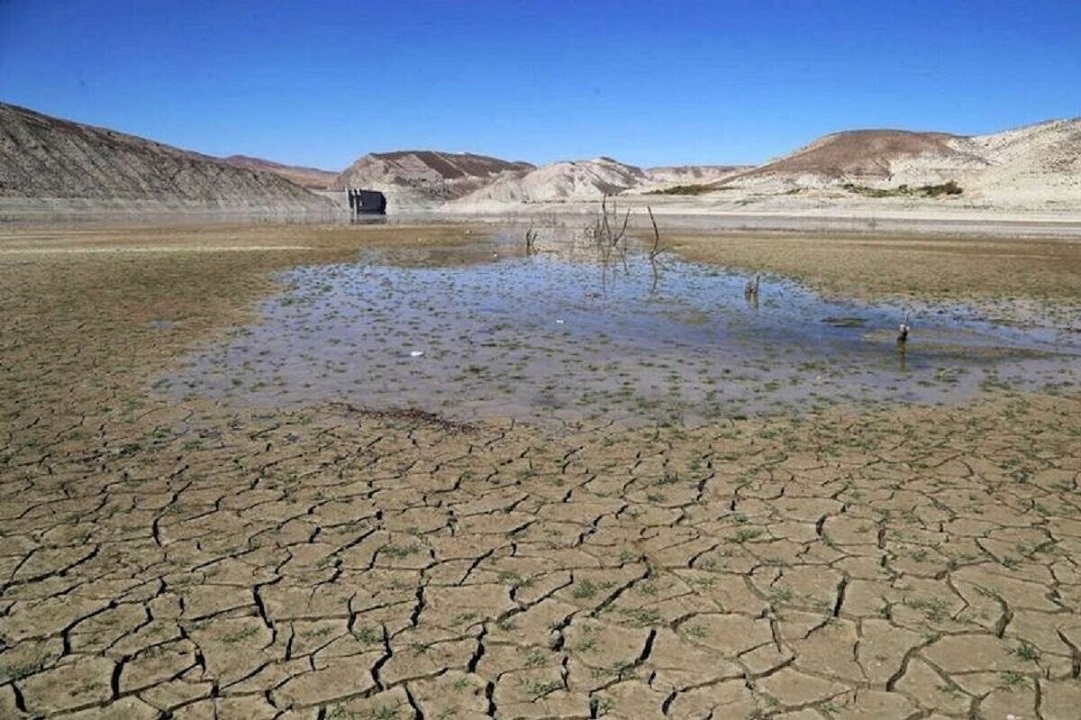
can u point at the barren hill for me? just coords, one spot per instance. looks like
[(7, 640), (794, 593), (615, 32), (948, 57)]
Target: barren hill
[(868, 155), (692, 174), (307, 177), (561, 181), (1033, 167), (1038, 165), (418, 176), (48, 164)]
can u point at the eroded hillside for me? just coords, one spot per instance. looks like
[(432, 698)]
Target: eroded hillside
[(49, 164)]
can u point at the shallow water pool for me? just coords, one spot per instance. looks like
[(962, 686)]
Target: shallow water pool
[(469, 334)]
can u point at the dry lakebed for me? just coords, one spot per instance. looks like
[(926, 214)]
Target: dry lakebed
[(415, 471)]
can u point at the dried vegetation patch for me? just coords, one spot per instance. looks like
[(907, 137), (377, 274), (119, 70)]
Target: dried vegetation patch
[(920, 267)]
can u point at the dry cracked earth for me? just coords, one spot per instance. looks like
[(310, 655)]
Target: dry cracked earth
[(193, 560)]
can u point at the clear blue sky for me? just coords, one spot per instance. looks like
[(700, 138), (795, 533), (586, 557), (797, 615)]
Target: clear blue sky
[(321, 82)]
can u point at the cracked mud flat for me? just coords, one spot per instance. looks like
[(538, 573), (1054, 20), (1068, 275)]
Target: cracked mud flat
[(189, 559)]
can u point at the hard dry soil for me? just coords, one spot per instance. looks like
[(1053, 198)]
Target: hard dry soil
[(193, 559)]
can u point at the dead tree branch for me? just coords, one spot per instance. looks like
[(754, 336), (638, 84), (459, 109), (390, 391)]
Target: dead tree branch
[(655, 250), (604, 228), (531, 240)]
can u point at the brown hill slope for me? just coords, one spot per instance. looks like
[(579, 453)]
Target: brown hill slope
[(44, 160), (1033, 167), (867, 154), (307, 177), (426, 175)]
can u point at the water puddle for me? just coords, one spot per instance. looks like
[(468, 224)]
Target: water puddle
[(472, 334)]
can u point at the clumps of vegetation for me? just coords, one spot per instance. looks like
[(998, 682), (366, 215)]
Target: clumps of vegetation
[(947, 188), (684, 190)]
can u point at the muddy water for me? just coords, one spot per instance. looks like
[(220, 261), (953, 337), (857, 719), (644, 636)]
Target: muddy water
[(469, 334)]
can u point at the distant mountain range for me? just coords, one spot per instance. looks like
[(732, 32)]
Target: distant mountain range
[(46, 161), (419, 177)]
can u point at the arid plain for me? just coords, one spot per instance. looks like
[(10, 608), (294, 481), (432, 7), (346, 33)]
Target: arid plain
[(199, 558)]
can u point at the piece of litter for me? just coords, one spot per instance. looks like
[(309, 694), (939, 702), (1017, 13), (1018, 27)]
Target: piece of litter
[(559, 322), (416, 353)]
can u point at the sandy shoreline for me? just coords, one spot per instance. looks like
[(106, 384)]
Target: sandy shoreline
[(781, 214), (768, 214)]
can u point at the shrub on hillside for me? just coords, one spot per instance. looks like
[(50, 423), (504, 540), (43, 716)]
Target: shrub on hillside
[(947, 188)]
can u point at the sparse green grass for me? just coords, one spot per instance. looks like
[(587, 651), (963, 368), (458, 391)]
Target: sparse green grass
[(934, 609), (641, 617), (1027, 651), (400, 551), (368, 634), (583, 590), (240, 635), (685, 190), (536, 689), (20, 671), (1011, 680), (746, 534)]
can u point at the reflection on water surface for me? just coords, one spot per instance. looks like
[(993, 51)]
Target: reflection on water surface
[(470, 334)]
